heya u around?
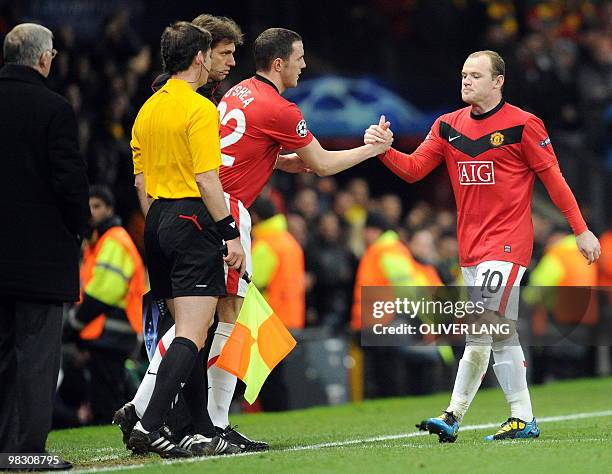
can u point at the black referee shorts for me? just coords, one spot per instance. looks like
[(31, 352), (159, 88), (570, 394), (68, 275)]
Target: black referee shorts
[(183, 250)]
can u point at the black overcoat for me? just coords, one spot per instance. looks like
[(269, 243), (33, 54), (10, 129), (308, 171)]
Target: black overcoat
[(43, 190)]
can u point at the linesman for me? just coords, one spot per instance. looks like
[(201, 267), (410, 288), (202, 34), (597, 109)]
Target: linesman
[(176, 152)]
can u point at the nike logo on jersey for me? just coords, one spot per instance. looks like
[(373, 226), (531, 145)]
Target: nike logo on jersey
[(450, 139), (151, 373)]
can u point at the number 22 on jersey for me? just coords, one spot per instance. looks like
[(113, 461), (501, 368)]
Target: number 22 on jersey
[(235, 135)]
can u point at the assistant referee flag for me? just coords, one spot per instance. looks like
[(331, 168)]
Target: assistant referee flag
[(258, 342)]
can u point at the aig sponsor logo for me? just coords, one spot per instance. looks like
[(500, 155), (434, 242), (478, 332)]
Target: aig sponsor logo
[(476, 172)]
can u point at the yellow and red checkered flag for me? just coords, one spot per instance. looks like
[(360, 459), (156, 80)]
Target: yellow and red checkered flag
[(258, 342)]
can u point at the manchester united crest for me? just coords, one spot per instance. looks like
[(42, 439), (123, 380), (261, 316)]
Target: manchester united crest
[(497, 139)]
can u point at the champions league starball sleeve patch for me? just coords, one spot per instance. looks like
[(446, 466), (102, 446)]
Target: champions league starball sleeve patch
[(153, 311), (301, 129)]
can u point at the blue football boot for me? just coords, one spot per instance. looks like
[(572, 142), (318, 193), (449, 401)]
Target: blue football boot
[(515, 428), (445, 426)]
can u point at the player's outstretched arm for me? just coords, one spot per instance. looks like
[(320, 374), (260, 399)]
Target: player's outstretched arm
[(410, 167), (562, 196), (325, 162)]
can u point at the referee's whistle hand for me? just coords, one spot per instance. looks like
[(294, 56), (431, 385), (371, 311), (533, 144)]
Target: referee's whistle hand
[(235, 257)]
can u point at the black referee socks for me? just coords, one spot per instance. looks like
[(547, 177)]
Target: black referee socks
[(174, 369), (195, 392)]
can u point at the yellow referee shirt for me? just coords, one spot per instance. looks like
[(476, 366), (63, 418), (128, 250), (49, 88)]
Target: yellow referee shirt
[(175, 136)]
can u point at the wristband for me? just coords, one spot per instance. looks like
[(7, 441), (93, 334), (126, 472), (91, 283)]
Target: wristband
[(227, 228)]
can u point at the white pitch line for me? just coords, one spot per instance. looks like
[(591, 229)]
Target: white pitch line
[(339, 444), (497, 443), (483, 426)]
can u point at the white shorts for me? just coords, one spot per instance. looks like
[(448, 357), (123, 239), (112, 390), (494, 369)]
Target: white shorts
[(234, 284), (496, 284)]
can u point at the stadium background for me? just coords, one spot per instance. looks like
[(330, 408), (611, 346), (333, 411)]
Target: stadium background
[(559, 63)]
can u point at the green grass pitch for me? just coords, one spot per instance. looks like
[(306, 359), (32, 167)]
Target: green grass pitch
[(379, 436)]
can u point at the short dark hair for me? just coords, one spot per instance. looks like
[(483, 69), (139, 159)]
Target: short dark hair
[(103, 193), (180, 43), (377, 220), (221, 28), (271, 44), (498, 65), (264, 208)]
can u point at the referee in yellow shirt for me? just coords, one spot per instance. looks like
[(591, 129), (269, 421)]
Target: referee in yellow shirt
[(176, 152)]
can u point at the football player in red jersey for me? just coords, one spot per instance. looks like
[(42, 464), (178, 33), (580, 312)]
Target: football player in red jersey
[(493, 151), (256, 124)]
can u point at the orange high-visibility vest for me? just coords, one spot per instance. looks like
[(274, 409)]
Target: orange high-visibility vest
[(575, 306), (605, 260), (605, 266), (133, 297), (286, 290), (429, 274), (370, 273)]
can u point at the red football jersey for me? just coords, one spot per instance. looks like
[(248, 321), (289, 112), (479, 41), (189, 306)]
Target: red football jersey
[(256, 122), (492, 160)]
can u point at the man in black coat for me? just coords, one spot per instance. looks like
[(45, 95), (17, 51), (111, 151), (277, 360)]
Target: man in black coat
[(44, 209)]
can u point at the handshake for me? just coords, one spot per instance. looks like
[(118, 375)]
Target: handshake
[(315, 159), (379, 137)]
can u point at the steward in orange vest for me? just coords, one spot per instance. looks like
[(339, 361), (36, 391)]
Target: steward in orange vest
[(112, 282), (279, 273), (387, 262), (109, 316), (278, 265), (388, 265), (563, 266)]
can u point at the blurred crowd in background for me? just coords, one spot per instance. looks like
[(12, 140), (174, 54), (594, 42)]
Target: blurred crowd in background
[(559, 66), (558, 55)]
